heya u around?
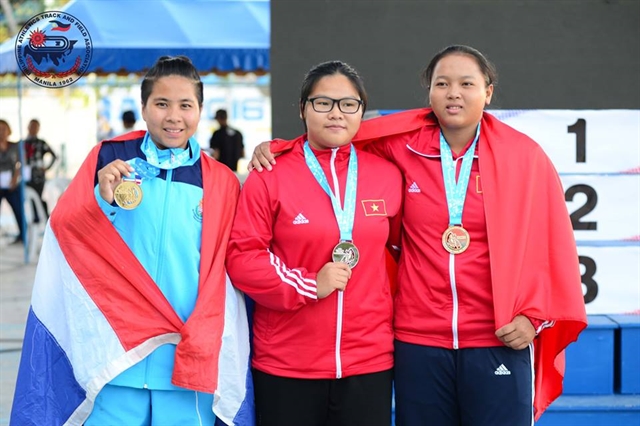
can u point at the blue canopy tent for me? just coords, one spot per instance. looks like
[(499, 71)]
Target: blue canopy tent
[(127, 36), (220, 36)]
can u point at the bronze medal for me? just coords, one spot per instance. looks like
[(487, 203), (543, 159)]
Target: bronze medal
[(455, 239), (128, 195), (346, 252)]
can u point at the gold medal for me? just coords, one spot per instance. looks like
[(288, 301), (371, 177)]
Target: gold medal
[(455, 239), (128, 195), (346, 252)]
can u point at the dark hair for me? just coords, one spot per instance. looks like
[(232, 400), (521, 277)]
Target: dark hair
[(221, 114), (486, 67), (330, 68), (129, 117), (171, 65)]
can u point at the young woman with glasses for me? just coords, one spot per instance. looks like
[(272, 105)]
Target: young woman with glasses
[(489, 291), (308, 245)]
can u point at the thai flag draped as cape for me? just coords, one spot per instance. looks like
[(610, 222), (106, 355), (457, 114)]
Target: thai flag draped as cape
[(96, 312)]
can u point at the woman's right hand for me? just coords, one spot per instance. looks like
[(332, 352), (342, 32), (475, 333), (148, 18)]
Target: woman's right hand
[(110, 176), (262, 157), (333, 276)]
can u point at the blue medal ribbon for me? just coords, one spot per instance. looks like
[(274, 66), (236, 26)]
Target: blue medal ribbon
[(176, 157), (456, 191), (150, 168), (141, 170), (344, 216)]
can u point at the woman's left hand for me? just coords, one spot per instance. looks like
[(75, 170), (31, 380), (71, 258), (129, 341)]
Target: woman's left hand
[(518, 334)]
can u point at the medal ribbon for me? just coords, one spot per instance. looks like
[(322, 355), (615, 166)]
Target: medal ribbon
[(141, 170), (344, 217), (456, 192), (150, 168), (177, 156)]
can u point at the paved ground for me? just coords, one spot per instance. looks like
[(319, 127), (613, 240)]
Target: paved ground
[(16, 281)]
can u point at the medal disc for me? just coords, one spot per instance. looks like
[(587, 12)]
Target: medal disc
[(346, 252), (128, 195), (455, 239)]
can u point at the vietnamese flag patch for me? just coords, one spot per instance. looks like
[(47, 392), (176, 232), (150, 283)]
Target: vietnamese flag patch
[(374, 207)]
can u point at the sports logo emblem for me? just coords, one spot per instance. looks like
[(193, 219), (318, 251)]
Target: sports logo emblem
[(53, 49), (197, 212)]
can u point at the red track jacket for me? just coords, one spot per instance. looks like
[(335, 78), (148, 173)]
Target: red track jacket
[(283, 233)]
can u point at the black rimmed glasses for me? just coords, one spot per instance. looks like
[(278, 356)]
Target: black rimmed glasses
[(345, 105)]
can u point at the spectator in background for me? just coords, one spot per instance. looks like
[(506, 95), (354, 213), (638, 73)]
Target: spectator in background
[(226, 142), (36, 150), (10, 175), (128, 121)]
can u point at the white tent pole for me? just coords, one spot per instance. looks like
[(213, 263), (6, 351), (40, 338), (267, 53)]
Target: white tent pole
[(23, 162)]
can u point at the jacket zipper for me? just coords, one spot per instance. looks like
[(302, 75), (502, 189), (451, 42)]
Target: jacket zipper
[(336, 193), (159, 248)]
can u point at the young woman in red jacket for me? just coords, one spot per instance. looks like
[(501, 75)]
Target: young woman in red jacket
[(308, 245)]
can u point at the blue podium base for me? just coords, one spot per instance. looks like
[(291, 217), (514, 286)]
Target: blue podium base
[(593, 410)]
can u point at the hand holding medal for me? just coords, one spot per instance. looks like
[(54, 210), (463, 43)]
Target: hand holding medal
[(331, 277), (120, 181), (110, 179)]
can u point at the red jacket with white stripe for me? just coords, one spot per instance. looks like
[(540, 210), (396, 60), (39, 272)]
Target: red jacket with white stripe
[(284, 232)]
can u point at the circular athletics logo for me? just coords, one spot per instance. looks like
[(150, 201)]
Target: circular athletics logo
[(53, 49)]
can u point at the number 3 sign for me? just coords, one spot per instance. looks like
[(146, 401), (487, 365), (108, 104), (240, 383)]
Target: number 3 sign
[(597, 154)]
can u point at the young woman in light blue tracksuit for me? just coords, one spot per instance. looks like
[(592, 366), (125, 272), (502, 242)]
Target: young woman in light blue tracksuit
[(161, 222)]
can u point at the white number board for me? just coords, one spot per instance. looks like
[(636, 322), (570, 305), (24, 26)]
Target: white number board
[(597, 153)]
